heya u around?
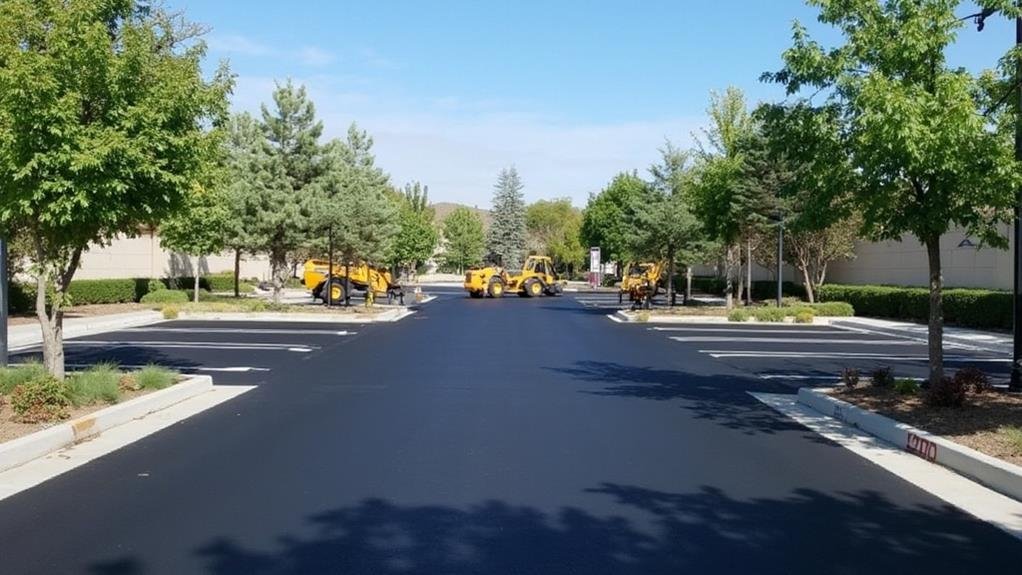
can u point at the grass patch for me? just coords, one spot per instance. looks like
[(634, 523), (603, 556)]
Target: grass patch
[(12, 377), (738, 315), (1013, 435), (154, 377), (98, 384)]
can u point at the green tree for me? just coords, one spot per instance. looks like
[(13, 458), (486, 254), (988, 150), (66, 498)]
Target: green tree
[(928, 156), (418, 237), (553, 229), (608, 219), (507, 232), (247, 183), (294, 161), (199, 229), (664, 226), (106, 125), (464, 240), (720, 200)]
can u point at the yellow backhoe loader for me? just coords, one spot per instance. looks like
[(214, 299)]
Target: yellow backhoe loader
[(536, 278), (641, 283), (361, 277)]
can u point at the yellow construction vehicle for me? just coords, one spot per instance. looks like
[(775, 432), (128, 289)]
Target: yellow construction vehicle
[(641, 282), (362, 277), (536, 278)]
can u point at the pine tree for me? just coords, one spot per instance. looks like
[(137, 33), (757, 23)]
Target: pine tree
[(507, 233)]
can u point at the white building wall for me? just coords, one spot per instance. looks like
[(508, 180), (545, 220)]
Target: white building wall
[(144, 257), (905, 263)]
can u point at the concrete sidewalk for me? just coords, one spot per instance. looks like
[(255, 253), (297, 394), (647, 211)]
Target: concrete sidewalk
[(972, 338), (31, 334)]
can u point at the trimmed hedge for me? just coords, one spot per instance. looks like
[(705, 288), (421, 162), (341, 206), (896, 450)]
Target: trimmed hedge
[(105, 291), (165, 296), (761, 290), (965, 307)]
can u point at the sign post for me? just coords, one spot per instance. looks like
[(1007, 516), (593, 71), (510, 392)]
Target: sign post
[(595, 268)]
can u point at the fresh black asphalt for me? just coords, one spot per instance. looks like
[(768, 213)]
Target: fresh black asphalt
[(524, 436)]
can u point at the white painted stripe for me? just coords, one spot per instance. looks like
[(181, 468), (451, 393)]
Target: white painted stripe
[(190, 345), (236, 369), (615, 318), (724, 339), (740, 330), (844, 355), (973, 498), (799, 377), (947, 343), (236, 330)]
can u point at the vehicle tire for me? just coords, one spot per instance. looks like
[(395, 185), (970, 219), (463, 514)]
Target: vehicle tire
[(533, 287), (336, 292), (496, 289)]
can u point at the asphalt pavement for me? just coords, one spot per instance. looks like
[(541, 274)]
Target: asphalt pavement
[(528, 436)]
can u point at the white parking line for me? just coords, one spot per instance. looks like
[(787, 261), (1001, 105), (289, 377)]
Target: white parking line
[(237, 369), (615, 318), (739, 330), (723, 353), (236, 330), (194, 345), (724, 339)]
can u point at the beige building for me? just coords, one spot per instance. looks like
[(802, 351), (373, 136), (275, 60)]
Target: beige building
[(144, 257), (964, 262)]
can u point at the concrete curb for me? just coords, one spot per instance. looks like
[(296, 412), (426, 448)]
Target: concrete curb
[(998, 475), (632, 317), (30, 334), (388, 316), (24, 449)]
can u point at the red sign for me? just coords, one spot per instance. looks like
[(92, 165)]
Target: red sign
[(922, 447)]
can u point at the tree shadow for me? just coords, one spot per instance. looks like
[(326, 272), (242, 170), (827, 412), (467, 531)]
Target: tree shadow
[(655, 532), (719, 398)]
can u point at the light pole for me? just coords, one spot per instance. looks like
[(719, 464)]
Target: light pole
[(780, 259), (4, 302), (1016, 359)]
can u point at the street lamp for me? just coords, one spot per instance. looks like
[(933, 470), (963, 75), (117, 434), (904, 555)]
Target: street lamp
[(4, 301), (1016, 363)]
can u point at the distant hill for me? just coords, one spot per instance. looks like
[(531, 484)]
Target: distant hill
[(443, 209)]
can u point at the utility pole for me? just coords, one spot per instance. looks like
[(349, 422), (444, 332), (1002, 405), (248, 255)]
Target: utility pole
[(330, 267), (780, 259), (4, 302)]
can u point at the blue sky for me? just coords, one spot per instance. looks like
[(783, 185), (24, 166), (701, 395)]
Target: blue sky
[(570, 92)]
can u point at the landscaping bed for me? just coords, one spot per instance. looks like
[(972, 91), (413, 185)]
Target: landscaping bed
[(51, 402), (989, 422)]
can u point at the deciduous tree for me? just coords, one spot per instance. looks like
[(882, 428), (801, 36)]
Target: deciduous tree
[(107, 124), (463, 238), (913, 126), (199, 229)]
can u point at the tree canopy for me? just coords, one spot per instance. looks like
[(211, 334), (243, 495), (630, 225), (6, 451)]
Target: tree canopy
[(506, 240), (464, 240)]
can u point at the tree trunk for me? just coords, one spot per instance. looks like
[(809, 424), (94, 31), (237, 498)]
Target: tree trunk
[(670, 276), (51, 325), (237, 273), (936, 328), (729, 296), (807, 282), (196, 296)]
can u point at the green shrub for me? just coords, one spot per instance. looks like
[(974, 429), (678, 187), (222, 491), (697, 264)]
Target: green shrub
[(1014, 436), (850, 377), (948, 392), (767, 290), (98, 384), (21, 298), (832, 309), (965, 307), (12, 377), (224, 282), (155, 285), (805, 316), (769, 314), (170, 312), (154, 377), (738, 315), (88, 292), (882, 377), (43, 398), (165, 296), (711, 285), (906, 387)]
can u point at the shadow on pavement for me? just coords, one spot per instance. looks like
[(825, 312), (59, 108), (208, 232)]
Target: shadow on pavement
[(719, 398), (664, 533)]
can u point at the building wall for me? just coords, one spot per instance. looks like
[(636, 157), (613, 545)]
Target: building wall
[(144, 257), (905, 263)]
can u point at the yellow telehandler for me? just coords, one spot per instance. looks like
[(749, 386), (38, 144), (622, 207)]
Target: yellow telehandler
[(361, 277), (641, 283), (536, 278)]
